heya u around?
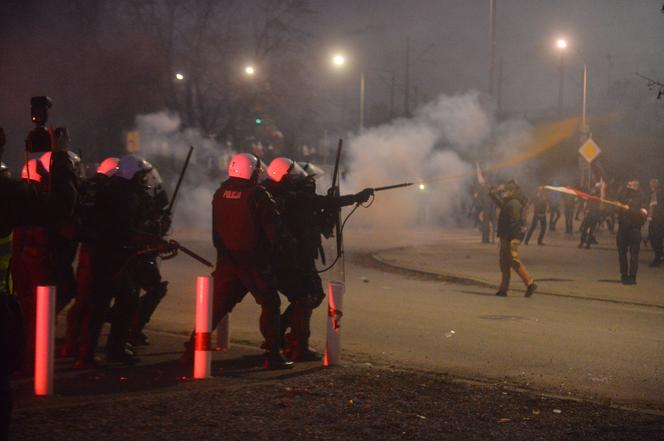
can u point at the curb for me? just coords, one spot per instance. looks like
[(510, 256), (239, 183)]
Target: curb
[(464, 280)]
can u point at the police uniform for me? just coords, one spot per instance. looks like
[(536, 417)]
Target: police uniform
[(146, 273), (118, 215), (298, 279)]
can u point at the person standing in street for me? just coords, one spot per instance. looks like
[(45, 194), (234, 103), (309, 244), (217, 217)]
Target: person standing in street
[(554, 208), (510, 200), (568, 210), (539, 216), (630, 220)]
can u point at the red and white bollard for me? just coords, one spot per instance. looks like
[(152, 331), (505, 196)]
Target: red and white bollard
[(224, 334), (203, 329), (333, 345), (44, 340)]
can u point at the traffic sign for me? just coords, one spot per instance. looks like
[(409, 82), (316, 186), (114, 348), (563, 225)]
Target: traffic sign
[(590, 150)]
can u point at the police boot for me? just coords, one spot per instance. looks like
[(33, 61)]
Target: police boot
[(274, 360), (120, 354)]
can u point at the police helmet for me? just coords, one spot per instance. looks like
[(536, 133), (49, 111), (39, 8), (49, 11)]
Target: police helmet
[(108, 166), (244, 166), (283, 167), (45, 160), (31, 171), (131, 165)]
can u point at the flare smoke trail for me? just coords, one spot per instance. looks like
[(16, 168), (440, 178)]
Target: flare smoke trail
[(165, 143), (444, 138)]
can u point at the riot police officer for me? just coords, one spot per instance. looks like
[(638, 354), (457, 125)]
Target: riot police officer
[(78, 315), (118, 215), (246, 231), (146, 273), (304, 220)]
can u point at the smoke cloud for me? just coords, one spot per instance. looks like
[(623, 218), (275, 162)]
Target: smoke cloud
[(442, 140), (165, 143), (437, 148)]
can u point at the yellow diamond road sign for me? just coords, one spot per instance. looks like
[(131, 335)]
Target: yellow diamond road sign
[(589, 150)]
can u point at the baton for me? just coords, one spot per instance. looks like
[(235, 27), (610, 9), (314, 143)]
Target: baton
[(192, 254)]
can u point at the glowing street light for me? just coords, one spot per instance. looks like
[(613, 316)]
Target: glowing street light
[(422, 187), (338, 60), (561, 44), (250, 70), (179, 76)]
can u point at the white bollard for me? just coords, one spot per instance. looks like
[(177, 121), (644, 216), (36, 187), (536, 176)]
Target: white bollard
[(203, 330), (44, 340), (224, 334), (333, 345)]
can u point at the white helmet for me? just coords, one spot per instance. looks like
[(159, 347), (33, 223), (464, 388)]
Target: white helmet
[(282, 167), (131, 165), (312, 169), (45, 159), (244, 166), (108, 167)]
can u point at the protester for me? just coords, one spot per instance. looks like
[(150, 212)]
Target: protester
[(630, 220), (511, 230)]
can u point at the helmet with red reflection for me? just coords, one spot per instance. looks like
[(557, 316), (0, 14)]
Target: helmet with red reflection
[(108, 166), (45, 160), (283, 167), (245, 166), (30, 172)]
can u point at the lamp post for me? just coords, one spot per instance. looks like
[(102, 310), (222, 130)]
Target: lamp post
[(339, 62), (562, 45)]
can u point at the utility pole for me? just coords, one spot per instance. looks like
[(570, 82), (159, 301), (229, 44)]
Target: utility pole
[(499, 88), (561, 85), (492, 44), (406, 95), (392, 93), (609, 67)]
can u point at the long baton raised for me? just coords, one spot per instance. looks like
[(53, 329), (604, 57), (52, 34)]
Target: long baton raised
[(180, 178)]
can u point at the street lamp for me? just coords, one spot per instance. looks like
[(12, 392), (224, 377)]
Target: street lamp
[(339, 61), (179, 76), (250, 70), (562, 46)]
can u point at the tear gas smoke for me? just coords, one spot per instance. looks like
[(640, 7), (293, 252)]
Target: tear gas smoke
[(443, 139), (164, 142)]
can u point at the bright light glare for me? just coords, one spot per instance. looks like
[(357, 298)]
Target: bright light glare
[(339, 60), (423, 187), (561, 43), (179, 76), (249, 70)]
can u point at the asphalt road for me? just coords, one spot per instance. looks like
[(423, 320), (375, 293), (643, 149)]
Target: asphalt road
[(568, 346)]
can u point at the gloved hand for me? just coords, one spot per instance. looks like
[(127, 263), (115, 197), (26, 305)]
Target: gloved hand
[(364, 195)]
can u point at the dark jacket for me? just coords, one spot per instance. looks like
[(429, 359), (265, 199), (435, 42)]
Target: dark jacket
[(511, 224), (658, 206), (632, 218), (22, 204), (246, 223)]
